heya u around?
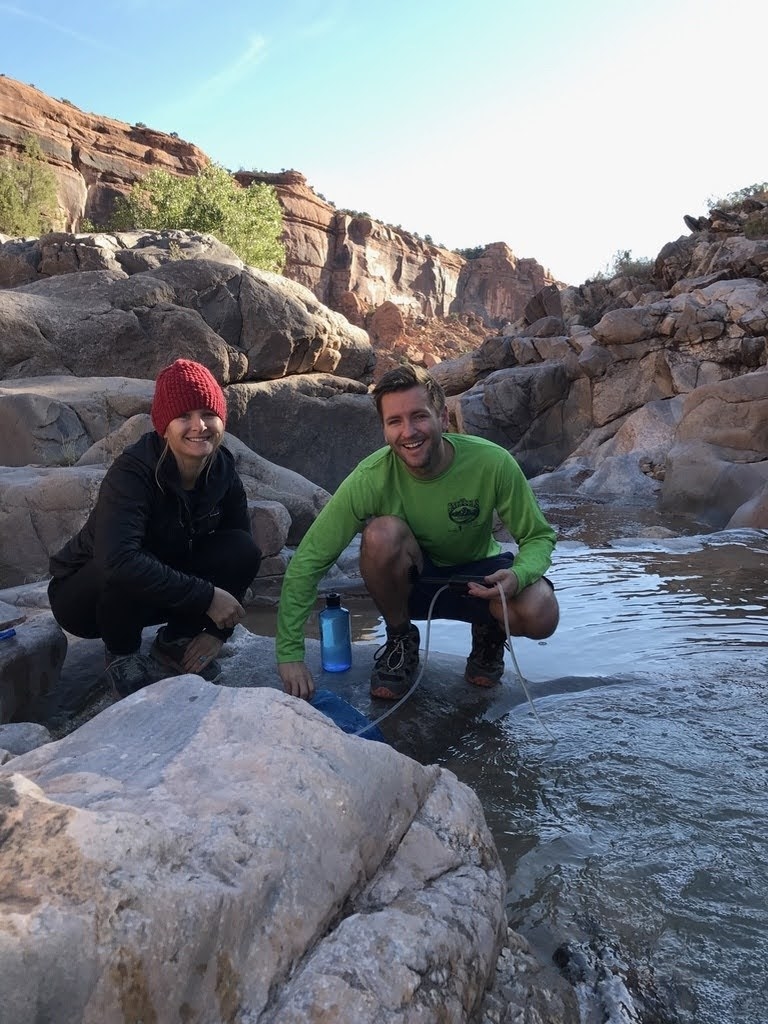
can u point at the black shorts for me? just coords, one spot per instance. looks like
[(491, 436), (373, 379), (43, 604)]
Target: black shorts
[(455, 602)]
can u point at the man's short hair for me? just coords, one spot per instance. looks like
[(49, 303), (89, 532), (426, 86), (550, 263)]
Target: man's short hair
[(402, 378)]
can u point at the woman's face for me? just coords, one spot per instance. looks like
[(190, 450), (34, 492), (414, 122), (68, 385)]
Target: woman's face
[(194, 435)]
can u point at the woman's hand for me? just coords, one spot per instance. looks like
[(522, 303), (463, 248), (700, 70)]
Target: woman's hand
[(200, 652), (225, 610)]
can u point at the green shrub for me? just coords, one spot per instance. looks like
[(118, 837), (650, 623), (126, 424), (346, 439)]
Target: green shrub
[(625, 265), (28, 201), (248, 220), (473, 253), (734, 199)]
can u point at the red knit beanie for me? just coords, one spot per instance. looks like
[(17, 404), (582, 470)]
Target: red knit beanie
[(182, 387)]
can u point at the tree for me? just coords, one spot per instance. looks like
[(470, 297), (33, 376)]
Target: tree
[(248, 220), (29, 204)]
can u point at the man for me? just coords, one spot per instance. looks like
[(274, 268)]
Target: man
[(425, 507)]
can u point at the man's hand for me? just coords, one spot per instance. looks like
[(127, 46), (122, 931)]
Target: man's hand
[(297, 679), (225, 610), (505, 577)]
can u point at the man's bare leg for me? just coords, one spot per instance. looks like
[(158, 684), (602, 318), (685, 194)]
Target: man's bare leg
[(532, 613), (388, 553)]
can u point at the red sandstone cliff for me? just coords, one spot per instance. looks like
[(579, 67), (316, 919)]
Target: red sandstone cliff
[(352, 263), (94, 158)]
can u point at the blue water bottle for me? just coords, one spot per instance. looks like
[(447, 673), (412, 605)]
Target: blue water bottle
[(335, 637)]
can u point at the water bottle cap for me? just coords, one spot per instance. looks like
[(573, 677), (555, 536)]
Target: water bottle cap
[(332, 601)]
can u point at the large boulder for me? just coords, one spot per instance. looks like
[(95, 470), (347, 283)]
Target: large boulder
[(54, 421), (132, 316), (242, 859), (40, 509), (718, 461), (533, 411), (317, 425)]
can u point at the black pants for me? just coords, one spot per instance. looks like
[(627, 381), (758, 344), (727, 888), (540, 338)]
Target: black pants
[(84, 605)]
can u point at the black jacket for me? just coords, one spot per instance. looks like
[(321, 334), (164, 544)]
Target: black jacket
[(141, 534)]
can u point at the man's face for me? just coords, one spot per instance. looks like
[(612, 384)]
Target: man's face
[(414, 431)]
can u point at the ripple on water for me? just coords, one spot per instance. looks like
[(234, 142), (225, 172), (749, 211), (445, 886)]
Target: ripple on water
[(647, 816)]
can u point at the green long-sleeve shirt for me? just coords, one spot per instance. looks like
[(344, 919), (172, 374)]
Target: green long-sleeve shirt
[(451, 517)]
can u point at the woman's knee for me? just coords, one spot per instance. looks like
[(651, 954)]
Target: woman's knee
[(75, 610), (225, 555)]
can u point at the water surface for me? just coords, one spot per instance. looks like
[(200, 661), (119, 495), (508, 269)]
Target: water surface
[(638, 838)]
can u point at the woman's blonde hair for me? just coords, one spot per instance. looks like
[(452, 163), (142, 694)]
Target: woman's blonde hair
[(205, 463)]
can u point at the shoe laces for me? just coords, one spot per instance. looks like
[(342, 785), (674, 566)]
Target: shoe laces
[(392, 653)]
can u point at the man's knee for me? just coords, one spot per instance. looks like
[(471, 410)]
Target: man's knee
[(537, 610), (385, 535)]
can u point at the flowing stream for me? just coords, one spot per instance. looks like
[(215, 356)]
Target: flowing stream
[(636, 843)]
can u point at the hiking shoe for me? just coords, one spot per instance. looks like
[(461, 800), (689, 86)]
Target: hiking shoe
[(395, 665), (170, 653), (127, 673), (485, 664)]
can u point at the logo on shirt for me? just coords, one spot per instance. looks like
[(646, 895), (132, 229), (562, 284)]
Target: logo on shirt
[(463, 511)]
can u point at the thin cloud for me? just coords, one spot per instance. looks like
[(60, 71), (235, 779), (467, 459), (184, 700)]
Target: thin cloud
[(236, 70), (65, 30), (316, 29)]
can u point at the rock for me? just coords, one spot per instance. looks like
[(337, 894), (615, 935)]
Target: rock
[(105, 451), (240, 322), (216, 870), (753, 514), (730, 414), (522, 409), (270, 524), (30, 663), (710, 482), (267, 481), (54, 421), (386, 325), (317, 425), (40, 509), (10, 616), (21, 737), (497, 286)]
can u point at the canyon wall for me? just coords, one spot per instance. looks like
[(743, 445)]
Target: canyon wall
[(94, 158), (351, 263), (354, 264)]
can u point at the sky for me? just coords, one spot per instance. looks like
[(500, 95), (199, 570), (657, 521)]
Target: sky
[(569, 130)]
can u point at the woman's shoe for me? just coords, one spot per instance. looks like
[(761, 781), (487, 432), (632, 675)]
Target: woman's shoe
[(169, 654), (127, 673)]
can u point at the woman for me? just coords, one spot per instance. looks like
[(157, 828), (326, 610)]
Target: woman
[(169, 541)]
